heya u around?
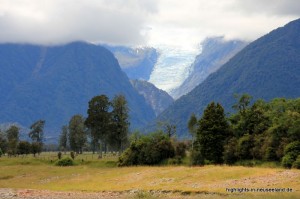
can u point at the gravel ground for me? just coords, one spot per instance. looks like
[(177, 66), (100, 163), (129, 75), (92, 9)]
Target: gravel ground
[(6, 193), (44, 194)]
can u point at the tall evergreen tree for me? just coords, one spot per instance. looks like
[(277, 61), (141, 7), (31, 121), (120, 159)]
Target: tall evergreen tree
[(77, 133), (212, 132), (63, 139), (120, 123), (192, 126), (98, 120), (13, 139)]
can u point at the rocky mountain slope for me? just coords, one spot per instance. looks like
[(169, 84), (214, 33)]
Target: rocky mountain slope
[(158, 99)]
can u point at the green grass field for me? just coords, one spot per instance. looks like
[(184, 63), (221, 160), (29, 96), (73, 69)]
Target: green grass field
[(93, 175)]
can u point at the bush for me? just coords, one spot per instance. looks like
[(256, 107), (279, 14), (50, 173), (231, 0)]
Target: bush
[(296, 164), (175, 161), (65, 162), (293, 149), (287, 161), (148, 150), (72, 154)]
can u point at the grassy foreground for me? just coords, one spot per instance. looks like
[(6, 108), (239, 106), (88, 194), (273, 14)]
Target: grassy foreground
[(103, 175)]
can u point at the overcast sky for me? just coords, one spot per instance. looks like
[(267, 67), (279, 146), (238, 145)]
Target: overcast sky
[(182, 23)]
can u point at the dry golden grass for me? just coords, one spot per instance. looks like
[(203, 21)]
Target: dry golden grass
[(101, 175)]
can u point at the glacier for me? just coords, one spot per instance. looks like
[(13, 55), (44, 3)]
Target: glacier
[(173, 66)]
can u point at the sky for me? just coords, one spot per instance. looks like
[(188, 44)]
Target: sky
[(180, 23)]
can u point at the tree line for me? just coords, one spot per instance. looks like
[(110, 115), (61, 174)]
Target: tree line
[(261, 131), (106, 126), (11, 144)]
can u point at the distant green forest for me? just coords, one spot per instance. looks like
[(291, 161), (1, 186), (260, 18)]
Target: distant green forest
[(258, 132)]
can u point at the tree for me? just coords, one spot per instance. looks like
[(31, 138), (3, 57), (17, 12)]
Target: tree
[(13, 138), (212, 133), (98, 120), (168, 128), (3, 142), (77, 133), (230, 151), (242, 103), (63, 139), (192, 126), (119, 122), (37, 131), (24, 148), (244, 147), (36, 147)]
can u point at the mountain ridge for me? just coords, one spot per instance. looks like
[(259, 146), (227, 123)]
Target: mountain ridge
[(58, 82), (267, 68), (158, 99)]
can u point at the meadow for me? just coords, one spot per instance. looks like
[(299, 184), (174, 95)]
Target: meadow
[(93, 175)]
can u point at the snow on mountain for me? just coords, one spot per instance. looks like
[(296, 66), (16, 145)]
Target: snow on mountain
[(172, 67)]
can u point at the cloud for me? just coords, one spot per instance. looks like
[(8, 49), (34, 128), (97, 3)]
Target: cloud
[(141, 22), (49, 21), (186, 23), (270, 7)]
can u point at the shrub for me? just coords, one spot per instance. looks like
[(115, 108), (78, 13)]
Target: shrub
[(59, 155), (65, 162), (148, 150), (287, 161), (175, 161), (293, 149), (296, 164), (72, 154)]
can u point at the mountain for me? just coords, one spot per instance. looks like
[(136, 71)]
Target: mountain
[(158, 99), (137, 63), (216, 51), (267, 68), (55, 82)]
